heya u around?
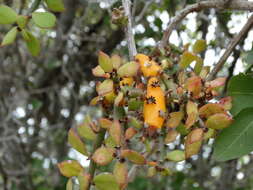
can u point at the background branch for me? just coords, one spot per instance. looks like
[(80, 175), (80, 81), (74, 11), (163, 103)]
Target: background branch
[(241, 35), (129, 30), (233, 4), (34, 6)]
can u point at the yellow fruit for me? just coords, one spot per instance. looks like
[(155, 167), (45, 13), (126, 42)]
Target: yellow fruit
[(126, 81), (154, 105), (149, 68)]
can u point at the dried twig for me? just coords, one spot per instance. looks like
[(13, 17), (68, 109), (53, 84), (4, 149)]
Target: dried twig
[(231, 47), (129, 30), (233, 4)]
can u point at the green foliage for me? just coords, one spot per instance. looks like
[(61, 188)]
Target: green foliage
[(75, 141), (241, 89), (106, 181), (32, 43), (44, 19), (70, 168), (55, 5), (7, 15), (10, 37), (199, 46), (236, 140)]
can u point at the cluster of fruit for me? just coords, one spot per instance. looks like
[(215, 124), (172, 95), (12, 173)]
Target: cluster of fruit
[(149, 102)]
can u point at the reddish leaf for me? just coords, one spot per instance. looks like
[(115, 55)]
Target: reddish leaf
[(84, 180), (99, 72), (120, 172), (103, 156), (105, 123), (194, 85), (105, 87), (116, 132), (119, 99), (195, 135), (192, 114), (216, 83), (226, 102), (171, 136), (175, 119), (192, 148), (130, 132)]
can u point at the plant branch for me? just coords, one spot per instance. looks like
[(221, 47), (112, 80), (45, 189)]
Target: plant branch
[(141, 15), (34, 6), (129, 30), (233, 4), (241, 35)]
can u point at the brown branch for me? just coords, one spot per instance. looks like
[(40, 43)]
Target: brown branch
[(241, 35), (129, 30), (233, 4)]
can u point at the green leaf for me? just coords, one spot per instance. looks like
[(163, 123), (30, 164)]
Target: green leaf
[(7, 15), (176, 155), (199, 46), (133, 156), (134, 104), (186, 59), (219, 121), (10, 37), (75, 141), (22, 21), (32, 42), (199, 65), (241, 89), (55, 5), (85, 131), (129, 69), (105, 62), (44, 19), (236, 140), (106, 181), (70, 168)]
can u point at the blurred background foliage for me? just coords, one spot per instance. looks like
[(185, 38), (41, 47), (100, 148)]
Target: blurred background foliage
[(42, 97)]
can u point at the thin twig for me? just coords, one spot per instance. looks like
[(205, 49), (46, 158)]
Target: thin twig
[(233, 4), (129, 30), (146, 6), (231, 47)]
